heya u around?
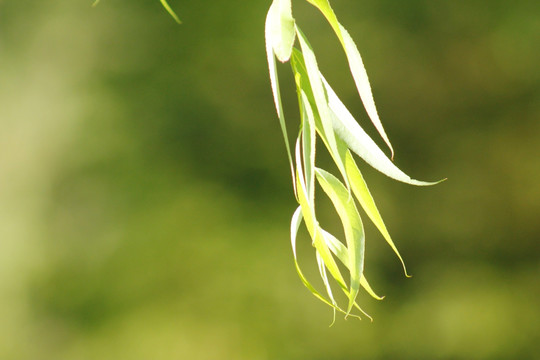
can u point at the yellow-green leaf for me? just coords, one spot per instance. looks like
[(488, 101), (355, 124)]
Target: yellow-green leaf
[(274, 83), (365, 199), (352, 225)]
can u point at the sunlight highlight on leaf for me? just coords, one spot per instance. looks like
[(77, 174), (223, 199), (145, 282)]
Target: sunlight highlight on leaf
[(281, 27), (363, 195), (359, 141), (356, 66), (352, 225), (321, 101), (341, 252), (274, 82)]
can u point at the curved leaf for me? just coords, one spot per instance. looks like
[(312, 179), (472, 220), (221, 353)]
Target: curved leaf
[(324, 277), (274, 83), (308, 212), (281, 26), (352, 225), (340, 251), (356, 66), (359, 141), (308, 144), (321, 100), (296, 220), (361, 191)]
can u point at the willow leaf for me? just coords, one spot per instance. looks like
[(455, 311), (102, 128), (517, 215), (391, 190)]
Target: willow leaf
[(282, 28), (361, 80), (325, 8), (324, 277), (296, 220), (356, 65), (365, 199), (321, 100), (274, 82), (308, 145), (308, 212), (352, 225), (303, 86), (359, 141), (340, 251)]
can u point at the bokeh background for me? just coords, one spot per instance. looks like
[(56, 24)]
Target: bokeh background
[(145, 195)]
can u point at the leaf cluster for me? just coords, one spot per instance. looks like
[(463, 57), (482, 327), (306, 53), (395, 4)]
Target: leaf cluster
[(324, 116)]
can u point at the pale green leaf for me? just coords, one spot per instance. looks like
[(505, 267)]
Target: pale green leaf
[(274, 82), (314, 230), (303, 86), (296, 220), (361, 80), (365, 199), (308, 144), (359, 141), (352, 225), (281, 26), (340, 251), (324, 277), (321, 101), (356, 66)]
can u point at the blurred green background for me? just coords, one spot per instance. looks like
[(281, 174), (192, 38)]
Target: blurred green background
[(145, 195)]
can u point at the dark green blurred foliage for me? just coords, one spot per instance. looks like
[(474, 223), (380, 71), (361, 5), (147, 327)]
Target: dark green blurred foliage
[(145, 193)]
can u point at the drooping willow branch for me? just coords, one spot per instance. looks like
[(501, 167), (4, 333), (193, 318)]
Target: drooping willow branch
[(324, 116)]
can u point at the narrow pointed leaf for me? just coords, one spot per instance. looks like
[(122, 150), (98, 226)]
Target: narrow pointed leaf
[(325, 8), (324, 277), (308, 145), (365, 199), (274, 82), (316, 236), (356, 66), (361, 80), (281, 26), (308, 212), (340, 251), (359, 141), (321, 101), (296, 220), (352, 225), (303, 86)]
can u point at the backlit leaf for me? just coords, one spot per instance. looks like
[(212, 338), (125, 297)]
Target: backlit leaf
[(359, 141), (352, 225)]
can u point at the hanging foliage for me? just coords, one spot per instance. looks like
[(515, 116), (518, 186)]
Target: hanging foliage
[(323, 116)]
